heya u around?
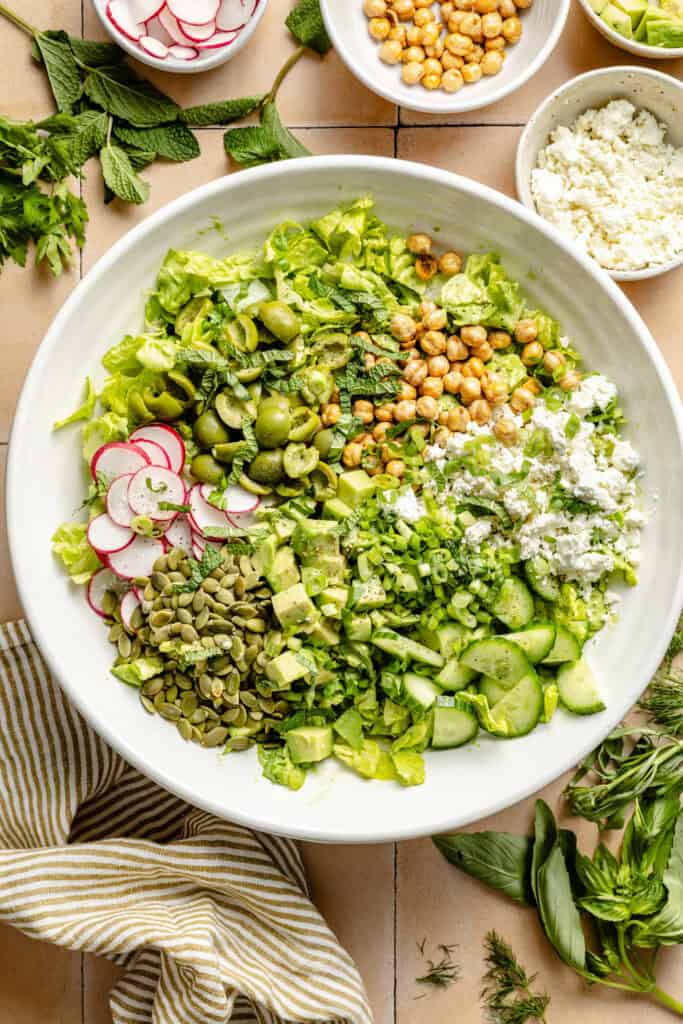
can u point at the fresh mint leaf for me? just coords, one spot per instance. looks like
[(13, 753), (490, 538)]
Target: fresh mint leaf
[(251, 146), (499, 859), (140, 158), (85, 137), (288, 144), (211, 559), (120, 92), (92, 54), (224, 112), (120, 177), (172, 141), (306, 24), (60, 64)]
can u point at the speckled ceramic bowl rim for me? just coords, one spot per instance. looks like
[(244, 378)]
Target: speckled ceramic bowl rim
[(171, 65), (555, 99), (629, 45)]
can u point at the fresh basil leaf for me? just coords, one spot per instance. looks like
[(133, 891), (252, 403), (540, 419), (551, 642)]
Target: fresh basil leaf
[(288, 144), (224, 112), (94, 54), (499, 859), (558, 912), (172, 141), (306, 24), (119, 91), (60, 65), (666, 927), (545, 837), (251, 146), (120, 177)]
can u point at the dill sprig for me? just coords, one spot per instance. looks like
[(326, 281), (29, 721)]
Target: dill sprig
[(507, 991), (664, 702), (441, 973)]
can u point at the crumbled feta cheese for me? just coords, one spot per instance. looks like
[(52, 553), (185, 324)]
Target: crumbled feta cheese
[(478, 532), (405, 504), (613, 185), (594, 392)]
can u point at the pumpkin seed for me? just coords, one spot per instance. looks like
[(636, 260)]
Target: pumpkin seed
[(214, 737), (184, 728), (153, 686), (169, 711), (147, 704)]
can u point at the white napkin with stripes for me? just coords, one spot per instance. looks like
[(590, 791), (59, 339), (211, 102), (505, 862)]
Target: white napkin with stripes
[(211, 921)]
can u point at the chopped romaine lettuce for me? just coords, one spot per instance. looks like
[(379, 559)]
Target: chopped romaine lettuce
[(70, 544), (84, 411)]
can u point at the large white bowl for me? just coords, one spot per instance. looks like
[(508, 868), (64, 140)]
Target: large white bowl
[(347, 27), (652, 90), (45, 484)]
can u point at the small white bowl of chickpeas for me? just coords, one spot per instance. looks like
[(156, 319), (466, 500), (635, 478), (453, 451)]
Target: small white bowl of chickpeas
[(444, 56)]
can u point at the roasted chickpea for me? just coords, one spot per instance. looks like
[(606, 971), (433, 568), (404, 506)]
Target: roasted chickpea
[(505, 429), (458, 44), (471, 26), (507, 8), (456, 349), (475, 55), (499, 339), (441, 436), (452, 63), (454, 21), (473, 368), (438, 366), (404, 9), (458, 418), (570, 381), (473, 335), (352, 455), (414, 55), (494, 388), (491, 25), (497, 43), (526, 331), (483, 351), (435, 320), (419, 244), (369, 360), (364, 411), (492, 62), (447, 10), (553, 360), (521, 399), (380, 431), (480, 411), (425, 17), (436, 50), (532, 353), (375, 8), (433, 343), (432, 387), (379, 28), (398, 33), (405, 391), (413, 34), (470, 390), (429, 35), (533, 385), (385, 413), (451, 262), (403, 327), (471, 73), (396, 467), (426, 307), (431, 81), (427, 407), (452, 382), (412, 73), (391, 51), (512, 30), (415, 372), (329, 414), (426, 267), (523, 5), (404, 411)]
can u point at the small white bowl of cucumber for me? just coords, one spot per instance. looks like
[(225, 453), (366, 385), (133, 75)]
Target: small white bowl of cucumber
[(646, 28)]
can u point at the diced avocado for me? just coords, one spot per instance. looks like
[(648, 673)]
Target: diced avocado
[(283, 529), (403, 647), (293, 606), (358, 628), (310, 743), (314, 580), (334, 508), (618, 20), (284, 572), (264, 555), (313, 538), (368, 594), (454, 676), (406, 583), (355, 487), (634, 8), (333, 566), (325, 632), (285, 669), (508, 366), (332, 601), (664, 31)]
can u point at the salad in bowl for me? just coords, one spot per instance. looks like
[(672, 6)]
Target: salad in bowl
[(351, 497)]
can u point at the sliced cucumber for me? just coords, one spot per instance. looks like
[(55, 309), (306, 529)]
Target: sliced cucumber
[(498, 657), (519, 711), (403, 647), (453, 727), (455, 676), (565, 648), (492, 690), (537, 572), (578, 690), (514, 605), (420, 691), (536, 641)]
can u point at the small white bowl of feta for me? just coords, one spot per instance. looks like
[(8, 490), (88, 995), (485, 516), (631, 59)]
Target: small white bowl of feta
[(602, 161)]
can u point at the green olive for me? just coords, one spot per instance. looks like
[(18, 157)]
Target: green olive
[(280, 320), (137, 410), (323, 441), (242, 333), (233, 410), (206, 469), (300, 460), (208, 430), (272, 426), (227, 452), (250, 485), (164, 406), (305, 423), (325, 481), (267, 467), (274, 401)]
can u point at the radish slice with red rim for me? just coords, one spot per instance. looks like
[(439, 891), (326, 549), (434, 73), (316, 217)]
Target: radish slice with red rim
[(194, 12), (151, 488), (106, 536), (100, 583), (232, 14), (116, 459), (167, 438), (198, 546), (156, 29), (243, 520), (129, 602), (217, 40), (118, 508), (137, 559), (237, 499), (157, 455), (206, 518), (197, 33), (179, 534), (183, 52), (168, 22), (154, 47), (119, 14)]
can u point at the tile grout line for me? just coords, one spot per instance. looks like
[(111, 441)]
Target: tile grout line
[(383, 127)]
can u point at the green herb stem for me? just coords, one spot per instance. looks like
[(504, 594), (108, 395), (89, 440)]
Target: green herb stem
[(284, 71), (5, 12), (675, 1005)]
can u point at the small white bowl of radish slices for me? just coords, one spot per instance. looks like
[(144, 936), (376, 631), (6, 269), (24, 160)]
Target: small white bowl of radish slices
[(183, 36)]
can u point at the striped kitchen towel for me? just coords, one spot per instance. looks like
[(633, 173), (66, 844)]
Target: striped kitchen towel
[(212, 922)]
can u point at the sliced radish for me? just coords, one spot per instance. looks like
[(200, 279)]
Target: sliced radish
[(198, 546), (243, 520), (237, 500), (116, 459), (183, 52), (137, 559), (150, 488), (167, 438), (194, 12), (100, 582), (120, 15), (232, 14), (197, 33), (157, 455), (118, 508), (144, 10), (217, 40), (179, 534), (129, 602), (205, 518), (154, 47), (156, 29), (106, 536)]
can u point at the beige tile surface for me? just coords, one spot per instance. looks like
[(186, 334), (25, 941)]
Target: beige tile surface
[(39, 984)]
